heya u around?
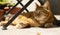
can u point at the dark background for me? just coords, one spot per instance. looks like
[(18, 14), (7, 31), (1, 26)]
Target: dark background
[(55, 6)]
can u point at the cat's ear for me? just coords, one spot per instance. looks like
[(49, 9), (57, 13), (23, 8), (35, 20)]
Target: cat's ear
[(46, 5), (37, 6)]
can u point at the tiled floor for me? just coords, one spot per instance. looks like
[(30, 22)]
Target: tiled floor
[(30, 31)]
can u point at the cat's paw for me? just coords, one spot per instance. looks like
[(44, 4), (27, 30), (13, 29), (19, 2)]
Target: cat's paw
[(48, 25)]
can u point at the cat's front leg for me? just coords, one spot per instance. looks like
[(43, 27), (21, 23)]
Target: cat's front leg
[(48, 25), (22, 25)]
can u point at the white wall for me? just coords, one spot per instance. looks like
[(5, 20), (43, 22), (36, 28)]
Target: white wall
[(31, 7)]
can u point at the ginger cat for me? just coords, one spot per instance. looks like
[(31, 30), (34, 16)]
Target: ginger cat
[(41, 17)]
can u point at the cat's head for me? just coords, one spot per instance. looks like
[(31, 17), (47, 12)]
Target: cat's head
[(40, 12)]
